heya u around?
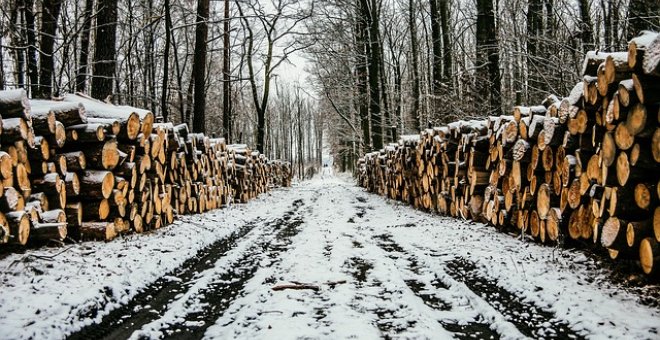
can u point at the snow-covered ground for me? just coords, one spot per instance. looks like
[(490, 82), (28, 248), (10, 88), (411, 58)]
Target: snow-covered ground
[(381, 269)]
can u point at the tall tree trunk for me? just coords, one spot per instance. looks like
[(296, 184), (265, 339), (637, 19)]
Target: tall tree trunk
[(199, 66), (414, 51), (361, 42), (104, 51), (436, 43), (488, 55), (607, 24), (81, 74), (383, 89), (17, 39), (166, 62), (50, 13), (370, 12), (446, 43), (534, 55), (30, 33), (226, 80), (2, 58), (586, 26)]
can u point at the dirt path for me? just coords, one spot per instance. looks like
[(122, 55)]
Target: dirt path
[(382, 270)]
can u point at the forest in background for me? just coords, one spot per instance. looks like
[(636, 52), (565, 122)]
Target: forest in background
[(378, 68)]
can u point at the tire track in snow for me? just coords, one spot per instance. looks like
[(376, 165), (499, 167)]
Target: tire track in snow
[(530, 320), (427, 292), (215, 298), (155, 299)]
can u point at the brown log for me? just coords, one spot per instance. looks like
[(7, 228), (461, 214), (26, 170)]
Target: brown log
[(94, 210), (102, 155), (649, 255), (75, 160), (651, 62), (553, 224), (646, 88), (623, 136), (613, 234), (96, 184), (52, 227), (636, 48), (546, 198), (643, 197), (11, 200), (112, 125), (636, 231), (15, 104), (14, 129), (656, 223), (102, 231), (89, 132), (19, 227)]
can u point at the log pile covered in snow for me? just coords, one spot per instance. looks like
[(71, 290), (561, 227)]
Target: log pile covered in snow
[(80, 168), (579, 170)]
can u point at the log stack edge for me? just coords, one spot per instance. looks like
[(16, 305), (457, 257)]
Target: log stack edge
[(82, 169), (582, 170)]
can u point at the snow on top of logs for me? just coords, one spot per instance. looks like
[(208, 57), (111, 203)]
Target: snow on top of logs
[(651, 63), (96, 108), (14, 104), (406, 139), (237, 147), (637, 46), (593, 59), (44, 104), (644, 39)]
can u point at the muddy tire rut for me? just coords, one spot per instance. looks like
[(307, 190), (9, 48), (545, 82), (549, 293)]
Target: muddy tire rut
[(154, 300)]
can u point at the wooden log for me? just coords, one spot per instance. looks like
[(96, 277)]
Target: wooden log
[(96, 184), (103, 156), (129, 120), (95, 210), (649, 255), (643, 197), (636, 49), (15, 104), (14, 129), (647, 89), (651, 62), (545, 200), (613, 234), (89, 132), (655, 145), (553, 224), (11, 200), (19, 227), (112, 125), (637, 231), (102, 231), (74, 215), (52, 226), (75, 160)]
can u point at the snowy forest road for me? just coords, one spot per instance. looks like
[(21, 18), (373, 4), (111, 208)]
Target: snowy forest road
[(370, 268)]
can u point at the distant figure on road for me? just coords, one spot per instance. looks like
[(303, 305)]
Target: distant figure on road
[(326, 170)]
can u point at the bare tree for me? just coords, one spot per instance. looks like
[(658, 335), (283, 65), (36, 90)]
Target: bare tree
[(104, 52), (199, 66), (278, 25), (49, 16)]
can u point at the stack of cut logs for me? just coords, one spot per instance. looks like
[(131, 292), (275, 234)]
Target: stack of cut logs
[(80, 168), (581, 170)]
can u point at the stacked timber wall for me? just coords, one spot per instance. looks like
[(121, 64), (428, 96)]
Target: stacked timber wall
[(581, 170), (83, 169)]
